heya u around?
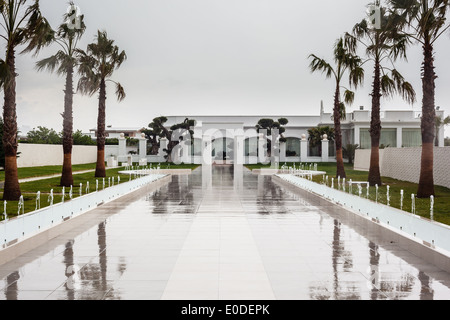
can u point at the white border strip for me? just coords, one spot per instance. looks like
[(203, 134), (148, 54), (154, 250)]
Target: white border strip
[(25, 226), (430, 233)]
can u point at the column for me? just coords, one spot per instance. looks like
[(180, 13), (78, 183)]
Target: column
[(163, 143), (206, 162), (325, 144), (357, 135), (283, 152), (142, 150), (262, 149), (304, 149), (206, 150), (238, 150), (122, 157), (186, 151), (275, 150), (399, 137)]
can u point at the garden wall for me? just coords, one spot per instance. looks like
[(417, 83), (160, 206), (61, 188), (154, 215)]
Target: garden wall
[(404, 164), (38, 155)]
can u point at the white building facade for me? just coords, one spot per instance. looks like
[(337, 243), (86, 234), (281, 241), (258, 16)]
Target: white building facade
[(226, 139)]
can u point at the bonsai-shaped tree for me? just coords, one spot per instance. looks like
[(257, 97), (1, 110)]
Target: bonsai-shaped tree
[(153, 134), (172, 134), (268, 125)]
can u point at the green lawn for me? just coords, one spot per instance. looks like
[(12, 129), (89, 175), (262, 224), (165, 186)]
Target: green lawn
[(442, 199), (46, 171)]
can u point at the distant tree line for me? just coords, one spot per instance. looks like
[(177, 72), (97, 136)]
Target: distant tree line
[(43, 135)]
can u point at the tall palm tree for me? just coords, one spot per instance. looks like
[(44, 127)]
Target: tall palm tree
[(425, 21), (64, 62), (346, 63), (382, 46), (22, 24), (97, 66)]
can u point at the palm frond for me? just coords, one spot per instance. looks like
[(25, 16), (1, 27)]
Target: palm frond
[(349, 97), (318, 64), (120, 92)]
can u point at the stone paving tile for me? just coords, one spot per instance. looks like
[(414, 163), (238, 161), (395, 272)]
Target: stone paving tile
[(249, 241)]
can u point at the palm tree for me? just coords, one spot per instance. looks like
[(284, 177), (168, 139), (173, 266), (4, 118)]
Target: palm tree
[(315, 136), (439, 123), (383, 45), (346, 62), (425, 21), (64, 62), (22, 24), (97, 66)]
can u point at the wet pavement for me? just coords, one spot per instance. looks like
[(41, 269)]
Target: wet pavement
[(228, 235)]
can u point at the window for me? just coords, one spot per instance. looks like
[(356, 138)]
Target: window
[(388, 138), (411, 138), (251, 147), (364, 139), (293, 147)]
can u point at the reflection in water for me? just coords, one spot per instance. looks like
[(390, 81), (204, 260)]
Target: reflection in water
[(270, 197), (238, 178), (103, 259), (426, 292), (206, 177), (177, 197), (350, 252), (374, 270), (70, 272), (11, 291)]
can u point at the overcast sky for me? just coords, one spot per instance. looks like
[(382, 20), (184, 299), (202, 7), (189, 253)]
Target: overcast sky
[(212, 57)]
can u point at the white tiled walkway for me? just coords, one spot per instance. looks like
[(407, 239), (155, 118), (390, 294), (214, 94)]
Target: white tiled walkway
[(234, 238)]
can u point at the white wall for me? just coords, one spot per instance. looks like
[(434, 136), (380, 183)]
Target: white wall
[(404, 164), (38, 155)]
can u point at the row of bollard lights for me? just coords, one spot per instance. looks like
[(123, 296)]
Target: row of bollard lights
[(139, 171), (341, 186), (305, 171)]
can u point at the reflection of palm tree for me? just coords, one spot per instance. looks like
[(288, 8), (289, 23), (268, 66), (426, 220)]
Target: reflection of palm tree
[(269, 191), (68, 261), (103, 260), (426, 293), (11, 286), (374, 268)]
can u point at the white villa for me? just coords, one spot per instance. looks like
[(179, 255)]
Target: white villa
[(400, 129)]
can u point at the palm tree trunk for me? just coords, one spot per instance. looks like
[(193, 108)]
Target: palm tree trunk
[(67, 177), (375, 129), (12, 187), (426, 181), (100, 170), (340, 170)]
